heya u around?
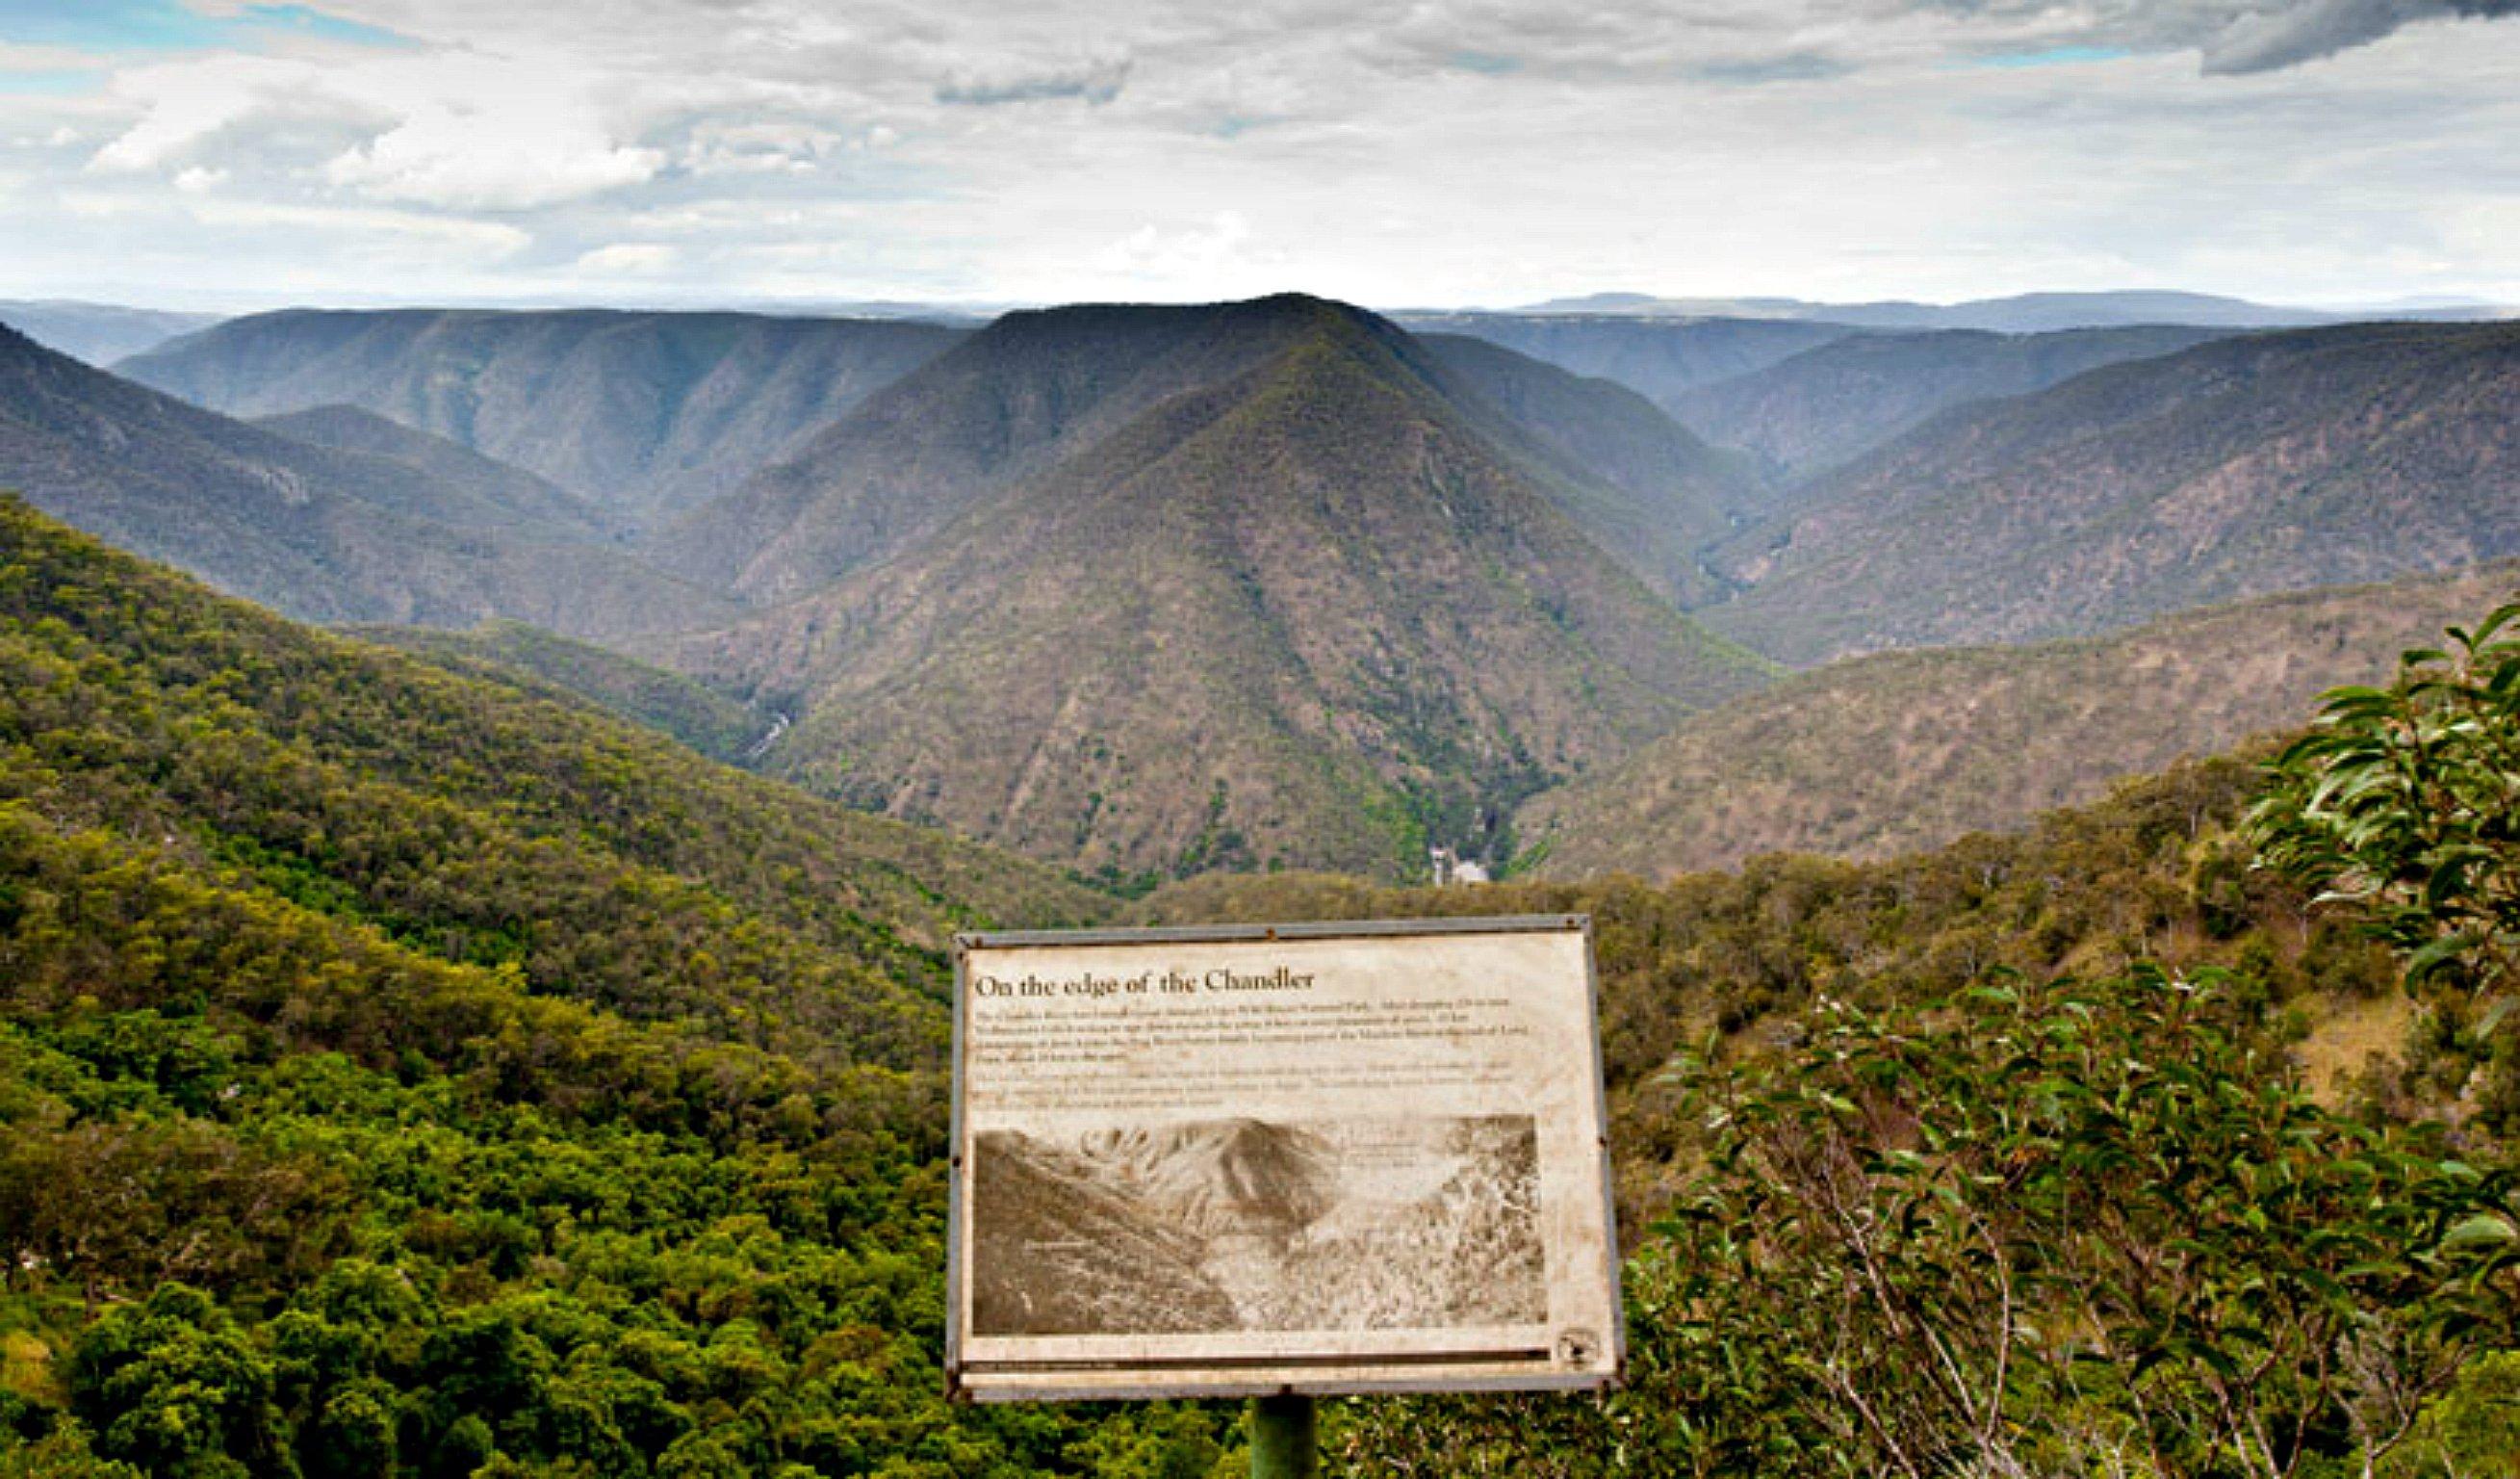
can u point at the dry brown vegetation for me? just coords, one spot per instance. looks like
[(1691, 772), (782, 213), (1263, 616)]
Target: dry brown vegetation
[(1888, 754)]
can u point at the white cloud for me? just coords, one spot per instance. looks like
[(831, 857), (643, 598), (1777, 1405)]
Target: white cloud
[(456, 129), (375, 234), (1428, 152), (633, 259), (1199, 254), (180, 105)]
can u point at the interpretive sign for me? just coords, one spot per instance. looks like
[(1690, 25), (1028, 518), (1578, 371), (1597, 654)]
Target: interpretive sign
[(1315, 1158)]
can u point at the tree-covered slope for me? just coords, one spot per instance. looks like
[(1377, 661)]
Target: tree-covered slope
[(474, 819), (1890, 753), (309, 1163), (321, 533), (1306, 613), (1012, 401), (2243, 466), (645, 413), (1036, 389), (555, 666), (469, 489), (1651, 494)]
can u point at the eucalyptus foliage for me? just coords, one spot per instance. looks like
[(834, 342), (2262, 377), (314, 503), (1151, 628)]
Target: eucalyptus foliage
[(2085, 1228), (2403, 804)]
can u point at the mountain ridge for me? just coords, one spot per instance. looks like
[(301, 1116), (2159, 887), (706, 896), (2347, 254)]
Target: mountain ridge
[(1900, 752), (1370, 620), (321, 534), (98, 333), (2244, 466), (645, 413), (1830, 404)]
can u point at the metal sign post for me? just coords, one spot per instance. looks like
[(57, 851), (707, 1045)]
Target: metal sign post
[(1283, 1441)]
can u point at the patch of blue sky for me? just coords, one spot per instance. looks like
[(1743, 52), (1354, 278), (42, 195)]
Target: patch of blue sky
[(49, 84), (307, 21), (1484, 62), (166, 25), (2054, 56)]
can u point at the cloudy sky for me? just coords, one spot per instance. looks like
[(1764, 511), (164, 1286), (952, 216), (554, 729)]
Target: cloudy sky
[(215, 153)]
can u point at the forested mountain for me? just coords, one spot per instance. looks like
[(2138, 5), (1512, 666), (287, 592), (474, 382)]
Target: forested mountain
[(320, 533), (1032, 389), (1902, 750), (1830, 404), (98, 333), (1660, 359), (1223, 587), (2241, 467), (554, 1083), (645, 413)]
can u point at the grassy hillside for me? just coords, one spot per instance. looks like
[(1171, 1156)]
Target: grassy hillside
[(645, 413), (2247, 466), (321, 534), (1302, 614), (1899, 751), (1828, 405)]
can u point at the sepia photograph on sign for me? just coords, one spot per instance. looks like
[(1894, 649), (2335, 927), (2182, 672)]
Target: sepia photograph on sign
[(1245, 1224), (1317, 1158)]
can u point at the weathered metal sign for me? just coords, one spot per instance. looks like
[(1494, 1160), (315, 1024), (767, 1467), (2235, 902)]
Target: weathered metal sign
[(1315, 1158)]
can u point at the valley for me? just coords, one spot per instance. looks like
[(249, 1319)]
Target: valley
[(549, 958), (743, 739)]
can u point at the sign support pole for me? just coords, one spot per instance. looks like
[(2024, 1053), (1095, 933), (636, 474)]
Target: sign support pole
[(1283, 1443)]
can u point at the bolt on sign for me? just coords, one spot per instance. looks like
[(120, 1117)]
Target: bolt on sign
[(1308, 1158)]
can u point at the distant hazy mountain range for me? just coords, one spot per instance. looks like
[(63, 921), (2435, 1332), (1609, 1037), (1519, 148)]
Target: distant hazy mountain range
[(1828, 405), (381, 525), (98, 333), (2022, 313), (1660, 359), (647, 414), (1806, 396), (1152, 590)]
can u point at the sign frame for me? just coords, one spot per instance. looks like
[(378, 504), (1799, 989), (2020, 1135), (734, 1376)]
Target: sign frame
[(1484, 1370)]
